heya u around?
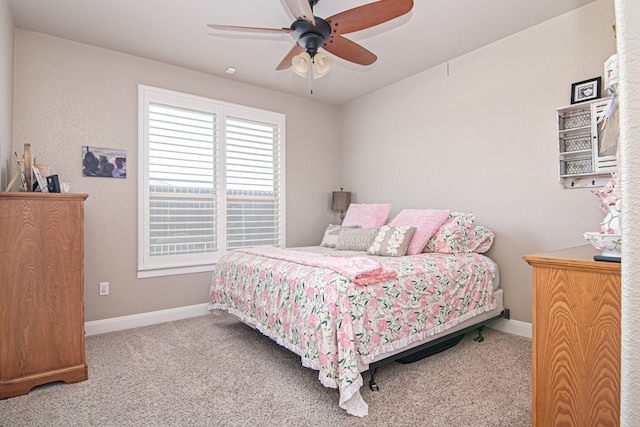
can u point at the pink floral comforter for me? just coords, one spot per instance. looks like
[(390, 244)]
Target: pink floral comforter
[(338, 327)]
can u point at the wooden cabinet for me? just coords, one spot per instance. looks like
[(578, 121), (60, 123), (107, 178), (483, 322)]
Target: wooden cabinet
[(41, 290), (576, 339)]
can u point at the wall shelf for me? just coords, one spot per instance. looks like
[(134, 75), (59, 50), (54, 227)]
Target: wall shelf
[(581, 164)]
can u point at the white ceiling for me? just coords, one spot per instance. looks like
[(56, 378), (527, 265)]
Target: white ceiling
[(175, 32)]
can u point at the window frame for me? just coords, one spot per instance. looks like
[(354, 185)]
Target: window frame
[(193, 263)]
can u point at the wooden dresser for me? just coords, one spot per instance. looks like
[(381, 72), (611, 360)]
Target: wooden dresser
[(576, 339), (41, 290)]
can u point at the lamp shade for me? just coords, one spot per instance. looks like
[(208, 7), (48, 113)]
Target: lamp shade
[(341, 200), (321, 65), (300, 64)]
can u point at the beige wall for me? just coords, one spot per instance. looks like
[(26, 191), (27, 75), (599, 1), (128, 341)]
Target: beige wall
[(480, 135), (6, 94), (68, 95)]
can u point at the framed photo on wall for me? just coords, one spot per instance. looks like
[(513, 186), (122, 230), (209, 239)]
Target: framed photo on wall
[(104, 162), (586, 90)]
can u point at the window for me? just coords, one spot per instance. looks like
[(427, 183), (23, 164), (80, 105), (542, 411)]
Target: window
[(212, 177)]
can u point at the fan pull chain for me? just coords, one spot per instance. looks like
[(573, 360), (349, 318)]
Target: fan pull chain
[(310, 76)]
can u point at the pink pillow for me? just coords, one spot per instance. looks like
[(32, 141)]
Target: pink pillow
[(426, 221), (370, 215)]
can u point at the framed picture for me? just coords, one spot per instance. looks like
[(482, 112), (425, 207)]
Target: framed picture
[(104, 162), (19, 174), (586, 90), (41, 182)]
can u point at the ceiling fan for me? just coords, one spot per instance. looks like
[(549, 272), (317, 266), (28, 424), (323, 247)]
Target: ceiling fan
[(312, 33)]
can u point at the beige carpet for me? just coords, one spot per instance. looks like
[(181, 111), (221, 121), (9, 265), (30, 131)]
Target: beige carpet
[(215, 371)]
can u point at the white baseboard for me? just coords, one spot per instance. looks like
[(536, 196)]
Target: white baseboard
[(96, 327), (144, 319), (514, 327)]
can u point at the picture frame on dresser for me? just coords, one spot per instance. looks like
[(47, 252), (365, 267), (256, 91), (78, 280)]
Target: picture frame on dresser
[(41, 182), (19, 174)]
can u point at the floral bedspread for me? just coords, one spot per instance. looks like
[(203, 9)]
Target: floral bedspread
[(338, 327)]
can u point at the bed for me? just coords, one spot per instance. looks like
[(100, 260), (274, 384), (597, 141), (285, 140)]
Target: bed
[(345, 311)]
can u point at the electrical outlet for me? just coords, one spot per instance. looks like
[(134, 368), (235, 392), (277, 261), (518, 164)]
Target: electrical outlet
[(104, 288)]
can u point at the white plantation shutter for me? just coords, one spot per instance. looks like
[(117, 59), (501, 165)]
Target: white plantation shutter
[(211, 180), (253, 185), (182, 158)]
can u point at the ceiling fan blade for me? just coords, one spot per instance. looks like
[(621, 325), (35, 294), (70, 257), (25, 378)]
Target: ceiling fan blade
[(349, 50), (286, 62), (248, 29), (368, 15), (301, 10)]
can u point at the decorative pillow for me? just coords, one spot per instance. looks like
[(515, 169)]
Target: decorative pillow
[(451, 237), (356, 239), (371, 215), (426, 222), (331, 235), (459, 234), (480, 239), (392, 240)]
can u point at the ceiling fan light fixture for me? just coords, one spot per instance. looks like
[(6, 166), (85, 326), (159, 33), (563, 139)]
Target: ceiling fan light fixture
[(300, 64), (321, 65)]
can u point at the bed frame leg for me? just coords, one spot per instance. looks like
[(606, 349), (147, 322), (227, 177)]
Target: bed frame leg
[(479, 338), (372, 382)]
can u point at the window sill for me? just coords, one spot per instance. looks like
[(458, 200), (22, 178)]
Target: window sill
[(172, 271)]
